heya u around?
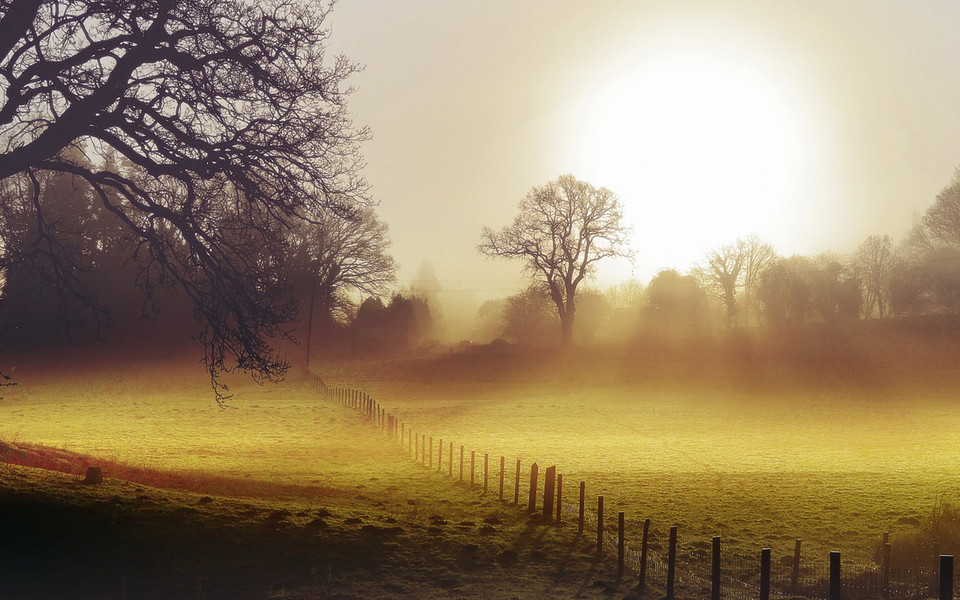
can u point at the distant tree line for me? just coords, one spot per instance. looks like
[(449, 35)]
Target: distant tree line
[(748, 283)]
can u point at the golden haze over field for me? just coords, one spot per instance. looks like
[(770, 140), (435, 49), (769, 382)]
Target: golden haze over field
[(279, 322)]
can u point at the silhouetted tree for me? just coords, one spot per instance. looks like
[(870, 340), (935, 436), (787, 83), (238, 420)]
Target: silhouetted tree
[(675, 306), (593, 314), (528, 317), (941, 221), (757, 256), (722, 275), (403, 322), (234, 119), (784, 293), (334, 256), (873, 263), (561, 231), (626, 302), (906, 287), (834, 290)]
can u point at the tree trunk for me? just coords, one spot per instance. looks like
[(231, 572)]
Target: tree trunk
[(566, 330)]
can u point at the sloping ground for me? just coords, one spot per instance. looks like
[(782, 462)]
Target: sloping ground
[(368, 523)]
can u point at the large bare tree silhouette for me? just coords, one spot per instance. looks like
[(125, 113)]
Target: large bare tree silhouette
[(231, 122), (561, 231)]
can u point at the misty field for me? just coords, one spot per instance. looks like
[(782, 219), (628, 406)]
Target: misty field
[(759, 455), (834, 455)]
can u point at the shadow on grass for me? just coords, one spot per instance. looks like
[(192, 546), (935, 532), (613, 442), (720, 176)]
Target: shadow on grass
[(52, 548)]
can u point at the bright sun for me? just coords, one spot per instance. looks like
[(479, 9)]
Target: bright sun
[(702, 148)]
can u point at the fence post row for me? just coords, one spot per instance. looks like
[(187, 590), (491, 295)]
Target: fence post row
[(532, 502), (946, 577), (885, 569), (672, 562), (795, 573), (599, 525), (834, 576), (715, 570), (549, 482), (583, 488), (643, 553), (486, 466), (620, 527), (502, 464), (516, 490), (559, 497), (765, 574), (941, 583)]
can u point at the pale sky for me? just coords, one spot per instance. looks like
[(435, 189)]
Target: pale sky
[(812, 124)]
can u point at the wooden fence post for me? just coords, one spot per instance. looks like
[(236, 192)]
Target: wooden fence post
[(486, 465), (583, 498), (473, 466), (549, 483), (430, 464), (599, 525), (795, 572), (885, 570), (765, 574), (532, 500), (672, 562), (416, 452), (516, 490), (715, 570), (461, 463), (935, 577), (835, 591), (620, 527), (559, 497), (423, 450), (450, 462), (643, 554), (946, 577), (502, 466), (439, 455)]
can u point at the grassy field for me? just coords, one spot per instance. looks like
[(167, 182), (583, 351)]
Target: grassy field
[(280, 495), (761, 452)]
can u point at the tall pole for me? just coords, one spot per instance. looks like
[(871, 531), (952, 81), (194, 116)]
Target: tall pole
[(313, 289)]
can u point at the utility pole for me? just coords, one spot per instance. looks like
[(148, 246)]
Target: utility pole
[(313, 288)]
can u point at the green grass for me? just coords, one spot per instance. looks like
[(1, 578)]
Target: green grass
[(835, 439), (358, 520)]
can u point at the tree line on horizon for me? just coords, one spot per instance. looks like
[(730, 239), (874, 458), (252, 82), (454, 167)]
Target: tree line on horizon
[(194, 161)]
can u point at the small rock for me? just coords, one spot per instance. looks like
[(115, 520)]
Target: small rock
[(94, 476), (508, 558)]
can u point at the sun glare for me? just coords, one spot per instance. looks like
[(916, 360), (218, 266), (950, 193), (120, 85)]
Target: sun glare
[(702, 148)]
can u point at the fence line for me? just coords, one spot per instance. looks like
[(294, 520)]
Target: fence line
[(734, 579)]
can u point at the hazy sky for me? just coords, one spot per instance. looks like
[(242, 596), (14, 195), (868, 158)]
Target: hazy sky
[(812, 124)]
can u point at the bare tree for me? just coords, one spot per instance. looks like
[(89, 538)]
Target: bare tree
[(233, 119), (758, 255), (334, 257), (721, 276), (941, 221), (732, 275), (562, 230), (873, 264)]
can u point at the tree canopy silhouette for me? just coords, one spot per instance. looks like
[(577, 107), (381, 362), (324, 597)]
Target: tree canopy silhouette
[(561, 231), (231, 120)]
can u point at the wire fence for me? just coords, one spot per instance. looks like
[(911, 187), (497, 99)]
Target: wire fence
[(702, 570)]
